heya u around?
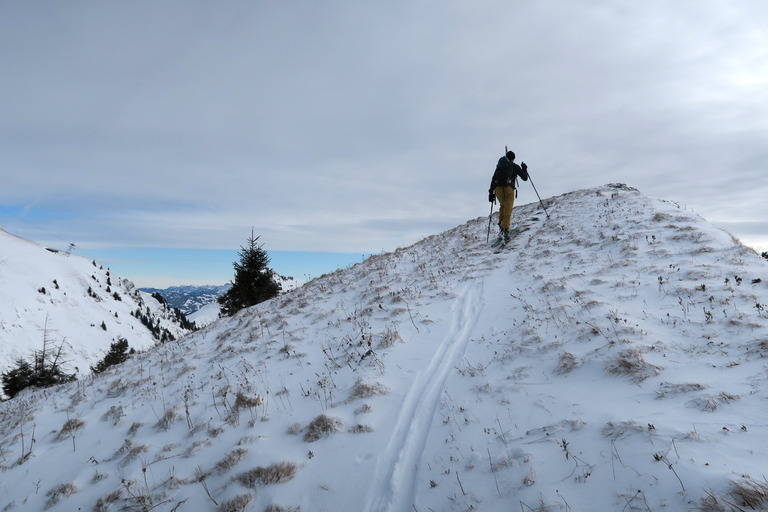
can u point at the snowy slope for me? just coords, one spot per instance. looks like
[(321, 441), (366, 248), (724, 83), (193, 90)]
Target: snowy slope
[(612, 359), (74, 301), (206, 315)]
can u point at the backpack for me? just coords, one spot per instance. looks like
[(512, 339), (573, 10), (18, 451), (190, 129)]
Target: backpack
[(505, 173)]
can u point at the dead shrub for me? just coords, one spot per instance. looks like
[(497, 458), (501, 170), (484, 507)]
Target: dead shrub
[(273, 474), (322, 426)]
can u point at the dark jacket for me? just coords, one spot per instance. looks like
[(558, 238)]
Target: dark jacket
[(506, 172)]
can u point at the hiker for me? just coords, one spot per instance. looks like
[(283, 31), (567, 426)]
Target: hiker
[(503, 189)]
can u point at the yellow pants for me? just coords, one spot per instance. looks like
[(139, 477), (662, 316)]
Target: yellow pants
[(506, 197)]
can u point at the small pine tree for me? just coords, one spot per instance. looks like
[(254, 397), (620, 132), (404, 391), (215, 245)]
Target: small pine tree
[(254, 281), (118, 353), (44, 371), (18, 378)]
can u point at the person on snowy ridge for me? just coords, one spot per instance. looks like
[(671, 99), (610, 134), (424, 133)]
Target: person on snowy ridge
[(503, 189)]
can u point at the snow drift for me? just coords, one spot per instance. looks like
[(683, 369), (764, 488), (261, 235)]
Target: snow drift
[(612, 358)]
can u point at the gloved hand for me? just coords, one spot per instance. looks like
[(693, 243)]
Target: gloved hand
[(491, 196), (524, 166)]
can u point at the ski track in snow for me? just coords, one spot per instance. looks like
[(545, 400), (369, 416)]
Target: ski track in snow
[(394, 484)]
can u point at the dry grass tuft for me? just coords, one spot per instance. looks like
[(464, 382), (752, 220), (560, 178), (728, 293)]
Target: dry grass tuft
[(567, 363), (167, 419), (360, 429), (668, 389), (389, 337), (115, 414), (134, 428), (243, 401), (237, 504), (230, 460), (58, 492), (276, 508), (70, 428), (617, 430), (630, 363), (102, 504), (751, 493), (322, 426), (363, 409), (274, 474), (743, 495), (363, 389)]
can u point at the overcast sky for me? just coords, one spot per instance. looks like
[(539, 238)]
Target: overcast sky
[(356, 126)]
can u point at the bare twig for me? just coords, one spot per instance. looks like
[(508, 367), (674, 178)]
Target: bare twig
[(490, 463), (461, 486), (200, 476)]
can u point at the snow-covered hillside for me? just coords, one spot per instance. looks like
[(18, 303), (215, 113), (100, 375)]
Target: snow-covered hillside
[(611, 359), (206, 315), (73, 301)]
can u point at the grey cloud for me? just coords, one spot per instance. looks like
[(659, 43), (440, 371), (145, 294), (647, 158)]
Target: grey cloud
[(170, 123)]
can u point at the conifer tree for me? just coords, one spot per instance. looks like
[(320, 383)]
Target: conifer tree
[(118, 353), (254, 282), (18, 378), (45, 369)]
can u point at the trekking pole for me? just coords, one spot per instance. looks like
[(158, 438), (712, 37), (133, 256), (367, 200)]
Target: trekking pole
[(489, 224), (537, 195)]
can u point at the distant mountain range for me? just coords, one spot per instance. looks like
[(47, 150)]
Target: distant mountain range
[(189, 299)]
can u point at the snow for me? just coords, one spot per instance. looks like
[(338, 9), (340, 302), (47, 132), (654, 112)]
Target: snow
[(67, 298), (205, 315), (611, 358)]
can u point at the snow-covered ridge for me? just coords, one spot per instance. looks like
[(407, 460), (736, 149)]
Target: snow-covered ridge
[(612, 358), (73, 301)]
